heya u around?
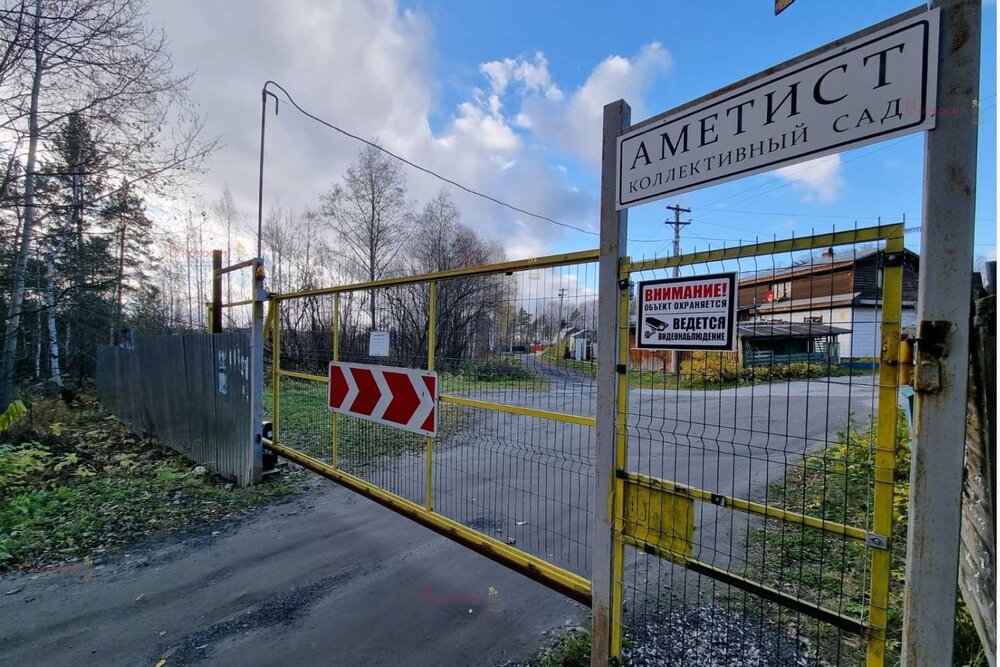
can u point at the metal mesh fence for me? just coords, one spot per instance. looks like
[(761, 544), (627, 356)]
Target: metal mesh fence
[(515, 354), (754, 508), (750, 511)]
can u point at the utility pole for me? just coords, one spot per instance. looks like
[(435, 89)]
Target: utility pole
[(675, 365), (677, 224)]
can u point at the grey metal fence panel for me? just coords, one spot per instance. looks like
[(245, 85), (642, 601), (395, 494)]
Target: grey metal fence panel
[(192, 392)]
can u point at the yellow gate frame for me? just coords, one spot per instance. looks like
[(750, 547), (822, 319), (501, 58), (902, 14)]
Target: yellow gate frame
[(639, 500), (568, 583), (632, 489)]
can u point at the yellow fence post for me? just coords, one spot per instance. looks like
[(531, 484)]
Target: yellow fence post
[(431, 342), (334, 458), (885, 449), (621, 453), (275, 367)]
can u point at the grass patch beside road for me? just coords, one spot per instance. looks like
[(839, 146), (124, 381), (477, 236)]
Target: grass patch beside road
[(305, 421), (76, 483), (552, 357), (708, 372), (834, 485), (572, 650), (500, 372)]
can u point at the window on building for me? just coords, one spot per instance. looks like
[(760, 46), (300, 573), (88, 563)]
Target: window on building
[(814, 319), (781, 290)]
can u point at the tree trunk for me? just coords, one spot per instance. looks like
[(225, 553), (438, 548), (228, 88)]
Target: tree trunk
[(38, 348), (119, 297), (72, 352), (187, 243), (50, 299), (21, 264), (372, 258)]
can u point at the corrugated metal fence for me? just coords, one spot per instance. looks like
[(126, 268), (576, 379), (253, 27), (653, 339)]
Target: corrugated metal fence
[(977, 567), (192, 392)]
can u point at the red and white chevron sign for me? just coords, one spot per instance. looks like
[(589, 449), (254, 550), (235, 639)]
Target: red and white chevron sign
[(401, 397)]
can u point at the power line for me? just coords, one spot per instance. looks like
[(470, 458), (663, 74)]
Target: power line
[(796, 215), (430, 172)]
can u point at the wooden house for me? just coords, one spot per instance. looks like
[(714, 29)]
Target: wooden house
[(839, 289)]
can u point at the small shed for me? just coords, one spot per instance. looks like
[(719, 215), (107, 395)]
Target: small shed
[(579, 344), (767, 343)]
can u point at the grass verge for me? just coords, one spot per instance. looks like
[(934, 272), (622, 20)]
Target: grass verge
[(835, 485), (76, 483), (551, 357), (571, 650), (709, 373), (305, 424), (492, 373)]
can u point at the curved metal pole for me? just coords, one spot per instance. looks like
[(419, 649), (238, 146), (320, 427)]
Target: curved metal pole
[(264, 92)]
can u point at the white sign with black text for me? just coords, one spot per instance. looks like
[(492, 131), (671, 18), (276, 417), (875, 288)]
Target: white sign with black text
[(872, 88), (378, 344), (696, 313)]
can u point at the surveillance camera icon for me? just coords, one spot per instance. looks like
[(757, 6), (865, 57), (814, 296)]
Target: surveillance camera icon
[(655, 325)]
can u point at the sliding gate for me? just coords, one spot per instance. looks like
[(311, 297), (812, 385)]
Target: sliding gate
[(753, 490), (510, 471)]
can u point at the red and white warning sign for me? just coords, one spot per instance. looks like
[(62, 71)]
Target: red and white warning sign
[(696, 313), (401, 397)]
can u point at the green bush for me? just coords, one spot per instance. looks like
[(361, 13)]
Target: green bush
[(19, 466), (793, 371), (14, 412), (712, 367), (496, 368)]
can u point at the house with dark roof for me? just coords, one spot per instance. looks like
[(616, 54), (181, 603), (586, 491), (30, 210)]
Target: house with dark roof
[(842, 290)]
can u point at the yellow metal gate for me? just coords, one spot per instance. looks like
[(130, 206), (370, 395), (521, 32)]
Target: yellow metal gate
[(754, 489), (510, 471), (753, 495)]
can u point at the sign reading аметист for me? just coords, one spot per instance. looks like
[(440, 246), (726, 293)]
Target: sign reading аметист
[(871, 88), (696, 313)]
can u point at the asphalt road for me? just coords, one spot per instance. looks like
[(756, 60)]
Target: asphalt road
[(329, 579), (333, 579)]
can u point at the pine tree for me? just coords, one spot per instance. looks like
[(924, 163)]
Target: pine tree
[(131, 230), (73, 181)]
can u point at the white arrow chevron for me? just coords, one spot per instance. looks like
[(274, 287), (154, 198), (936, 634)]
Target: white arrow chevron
[(386, 395), (427, 403), (352, 388)]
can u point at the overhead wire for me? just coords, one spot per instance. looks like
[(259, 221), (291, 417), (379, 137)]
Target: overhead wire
[(423, 169)]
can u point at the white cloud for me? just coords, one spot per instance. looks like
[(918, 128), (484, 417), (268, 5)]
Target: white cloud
[(573, 125), (532, 75), (819, 180), (368, 68)]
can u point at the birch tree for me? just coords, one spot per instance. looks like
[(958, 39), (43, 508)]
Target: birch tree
[(97, 59), (370, 214)]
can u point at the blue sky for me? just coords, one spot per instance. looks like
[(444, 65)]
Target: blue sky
[(506, 98), (712, 44)]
